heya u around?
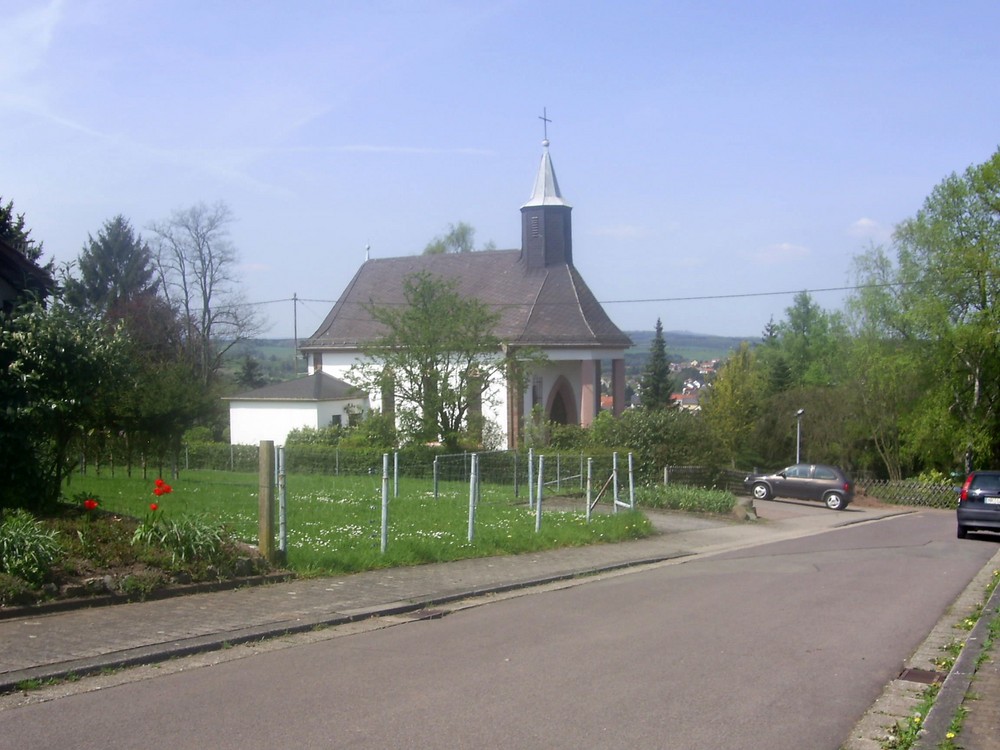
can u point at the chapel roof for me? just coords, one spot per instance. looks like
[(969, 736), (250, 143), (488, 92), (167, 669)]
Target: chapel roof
[(551, 306)]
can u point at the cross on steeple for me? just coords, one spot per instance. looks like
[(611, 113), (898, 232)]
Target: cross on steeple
[(545, 126)]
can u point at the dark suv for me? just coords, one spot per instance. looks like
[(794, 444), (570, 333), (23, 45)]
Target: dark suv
[(979, 503), (804, 482)]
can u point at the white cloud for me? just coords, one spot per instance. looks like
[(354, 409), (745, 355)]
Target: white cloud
[(869, 229), (25, 39), (779, 253)]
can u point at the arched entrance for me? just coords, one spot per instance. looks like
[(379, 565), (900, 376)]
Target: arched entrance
[(561, 408)]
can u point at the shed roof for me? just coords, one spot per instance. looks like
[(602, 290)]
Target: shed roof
[(319, 386)]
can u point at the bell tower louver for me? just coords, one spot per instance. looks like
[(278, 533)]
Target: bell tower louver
[(546, 228)]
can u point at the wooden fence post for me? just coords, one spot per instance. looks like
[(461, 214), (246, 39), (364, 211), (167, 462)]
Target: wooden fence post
[(265, 532)]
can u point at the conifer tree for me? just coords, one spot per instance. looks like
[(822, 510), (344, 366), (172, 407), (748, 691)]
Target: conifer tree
[(655, 385)]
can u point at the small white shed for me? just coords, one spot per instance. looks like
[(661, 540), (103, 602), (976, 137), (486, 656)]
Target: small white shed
[(270, 413)]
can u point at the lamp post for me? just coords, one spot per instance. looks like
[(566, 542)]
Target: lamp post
[(798, 434)]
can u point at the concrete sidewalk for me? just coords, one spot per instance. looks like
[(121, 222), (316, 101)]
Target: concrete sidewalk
[(39, 647)]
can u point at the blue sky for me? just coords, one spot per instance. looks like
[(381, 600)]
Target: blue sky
[(710, 150)]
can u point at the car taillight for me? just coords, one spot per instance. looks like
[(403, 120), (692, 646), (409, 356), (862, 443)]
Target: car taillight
[(964, 494), (847, 486)]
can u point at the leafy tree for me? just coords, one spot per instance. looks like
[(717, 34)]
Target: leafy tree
[(733, 404), (655, 385), (116, 271), (12, 232), (196, 263), (809, 343), (460, 238), (939, 296), (61, 371), (117, 280), (439, 358)]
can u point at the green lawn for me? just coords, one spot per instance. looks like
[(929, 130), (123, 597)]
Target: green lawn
[(334, 522)]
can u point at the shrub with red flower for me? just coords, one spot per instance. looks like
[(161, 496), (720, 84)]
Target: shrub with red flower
[(161, 488), (154, 507), (90, 504)]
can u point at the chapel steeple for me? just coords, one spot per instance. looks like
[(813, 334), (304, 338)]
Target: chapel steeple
[(546, 230)]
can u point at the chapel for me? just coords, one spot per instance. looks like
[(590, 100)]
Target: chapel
[(542, 301)]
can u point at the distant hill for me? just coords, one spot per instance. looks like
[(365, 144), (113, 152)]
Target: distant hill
[(687, 346), (278, 362)]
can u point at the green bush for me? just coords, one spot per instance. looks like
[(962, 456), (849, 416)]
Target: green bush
[(188, 538), (27, 550), (684, 497), (14, 591)]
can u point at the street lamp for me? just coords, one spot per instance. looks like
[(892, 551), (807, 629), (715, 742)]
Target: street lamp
[(798, 434)]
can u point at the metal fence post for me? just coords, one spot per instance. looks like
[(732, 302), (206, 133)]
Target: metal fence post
[(590, 472), (631, 484), (531, 472), (436, 477), (282, 508), (385, 503), (473, 481), (538, 499)]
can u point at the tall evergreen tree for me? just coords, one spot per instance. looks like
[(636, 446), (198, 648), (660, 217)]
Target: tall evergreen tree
[(12, 232), (655, 385), (116, 271)]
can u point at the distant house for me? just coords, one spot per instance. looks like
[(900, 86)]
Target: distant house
[(687, 401), (20, 276), (270, 413), (542, 303)]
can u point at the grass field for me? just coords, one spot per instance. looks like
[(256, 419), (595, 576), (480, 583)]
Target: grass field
[(334, 522)]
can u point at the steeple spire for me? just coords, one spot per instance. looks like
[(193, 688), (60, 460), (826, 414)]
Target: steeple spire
[(546, 234), (546, 188)]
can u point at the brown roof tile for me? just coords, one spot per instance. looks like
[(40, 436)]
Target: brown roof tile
[(545, 307)]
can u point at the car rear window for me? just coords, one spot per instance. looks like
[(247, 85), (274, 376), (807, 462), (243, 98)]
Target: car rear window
[(985, 482), (824, 473)]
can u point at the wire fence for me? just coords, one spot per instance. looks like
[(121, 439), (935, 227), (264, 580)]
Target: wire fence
[(565, 473)]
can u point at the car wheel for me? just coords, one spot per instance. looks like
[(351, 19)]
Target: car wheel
[(963, 532), (834, 501), (761, 491)]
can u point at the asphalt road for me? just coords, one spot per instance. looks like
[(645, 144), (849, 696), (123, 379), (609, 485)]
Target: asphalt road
[(782, 646)]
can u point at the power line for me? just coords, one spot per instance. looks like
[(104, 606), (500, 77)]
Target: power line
[(695, 298), (748, 294)]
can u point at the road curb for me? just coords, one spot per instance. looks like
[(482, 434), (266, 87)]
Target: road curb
[(161, 652)]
